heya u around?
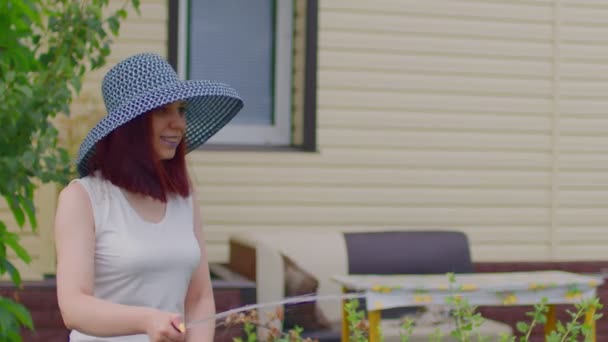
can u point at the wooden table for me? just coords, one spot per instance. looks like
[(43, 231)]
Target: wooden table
[(494, 289)]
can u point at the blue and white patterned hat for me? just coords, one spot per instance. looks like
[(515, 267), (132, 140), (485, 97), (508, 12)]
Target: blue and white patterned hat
[(146, 81)]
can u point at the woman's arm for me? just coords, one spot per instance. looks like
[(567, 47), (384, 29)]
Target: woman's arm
[(75, 246), (200, 303)]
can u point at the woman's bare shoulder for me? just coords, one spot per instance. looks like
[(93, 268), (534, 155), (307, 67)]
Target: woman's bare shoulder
[(74, 191), (74, 201)]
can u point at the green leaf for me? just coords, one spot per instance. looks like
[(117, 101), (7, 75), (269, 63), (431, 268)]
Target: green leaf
[(12, 240), (30, 210), (13, 203), (12, 271), (522, 327), (13, 336), (136, 4), (76, 83), (114, 24), (19, 311), (8, 320)]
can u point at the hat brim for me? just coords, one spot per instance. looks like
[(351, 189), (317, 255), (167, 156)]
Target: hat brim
[(210, 106)]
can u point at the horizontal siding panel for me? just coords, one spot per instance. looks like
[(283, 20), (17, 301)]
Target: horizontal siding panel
[(583, 51), (153, 31), (432, 101), (433, 64), (217, 252), (426, 121), (582, 216), (580, 161), (581, 126), (596, 4), (583, 12), (483, 239), (386, 158), (536, 11), (583, 198), (581, 234), (496, 234), (513, 253), (583, 179), (586, 71), (376, 196), (151, 10), (446, 141), (584, 89), (578, 107), (585, 144), (580, 252), (404, 43), (320, 215), (403, 82), (368, 177), (585, 33), (124, 49), (449, 26)]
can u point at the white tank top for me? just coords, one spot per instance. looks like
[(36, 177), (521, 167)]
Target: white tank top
[(138, 262)]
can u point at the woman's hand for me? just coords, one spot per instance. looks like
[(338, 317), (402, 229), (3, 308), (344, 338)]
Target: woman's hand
[(165, 327)]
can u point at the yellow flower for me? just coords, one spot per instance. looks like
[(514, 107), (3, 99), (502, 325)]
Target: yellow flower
[(381, 288), (423, 298), (510, 299), (468, 287), (573, 295)]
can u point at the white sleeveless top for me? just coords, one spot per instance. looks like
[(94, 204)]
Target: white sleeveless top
[(139, 262)]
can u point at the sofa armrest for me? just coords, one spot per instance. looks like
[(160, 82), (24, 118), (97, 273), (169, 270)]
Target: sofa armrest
[(323, 254)]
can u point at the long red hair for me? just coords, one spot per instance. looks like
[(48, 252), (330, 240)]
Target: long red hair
[(126, 158)]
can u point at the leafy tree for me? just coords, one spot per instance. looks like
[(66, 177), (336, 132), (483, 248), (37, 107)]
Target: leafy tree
[(46, 47)]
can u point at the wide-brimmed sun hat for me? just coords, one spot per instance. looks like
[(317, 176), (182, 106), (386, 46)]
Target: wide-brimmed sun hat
[(147, 81)]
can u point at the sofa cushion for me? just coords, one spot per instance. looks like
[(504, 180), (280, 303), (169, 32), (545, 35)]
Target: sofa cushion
[(299, 282)]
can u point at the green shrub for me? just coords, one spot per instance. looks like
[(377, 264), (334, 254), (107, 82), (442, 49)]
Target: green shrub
[(46, 47)]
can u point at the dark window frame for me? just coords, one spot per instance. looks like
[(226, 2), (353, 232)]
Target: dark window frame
[(309, 142)]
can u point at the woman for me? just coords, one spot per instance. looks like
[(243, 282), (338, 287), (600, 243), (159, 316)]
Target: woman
[(131, 261)]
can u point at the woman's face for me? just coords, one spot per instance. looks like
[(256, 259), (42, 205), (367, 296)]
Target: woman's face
[(168, 127)]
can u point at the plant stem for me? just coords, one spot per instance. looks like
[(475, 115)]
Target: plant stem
[(575, 318), (532, 325)]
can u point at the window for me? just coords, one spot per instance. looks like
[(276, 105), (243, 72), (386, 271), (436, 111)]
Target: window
[(249, 45)]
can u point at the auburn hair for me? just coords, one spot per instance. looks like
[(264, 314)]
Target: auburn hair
[(126, 157)]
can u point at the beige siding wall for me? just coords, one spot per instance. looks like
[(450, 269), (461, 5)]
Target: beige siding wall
[(482, 116), (581, 222)]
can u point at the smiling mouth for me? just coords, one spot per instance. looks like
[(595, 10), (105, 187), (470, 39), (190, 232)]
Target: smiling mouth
[(172, 141)]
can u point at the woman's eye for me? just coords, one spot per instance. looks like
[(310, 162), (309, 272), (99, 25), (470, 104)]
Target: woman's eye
[(182, 109)]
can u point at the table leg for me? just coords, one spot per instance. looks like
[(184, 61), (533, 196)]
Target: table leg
[(345, 328), (374, 318), (589, 320), (551, 320)]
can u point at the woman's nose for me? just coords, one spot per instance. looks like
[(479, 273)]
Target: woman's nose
[(178, 120)]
